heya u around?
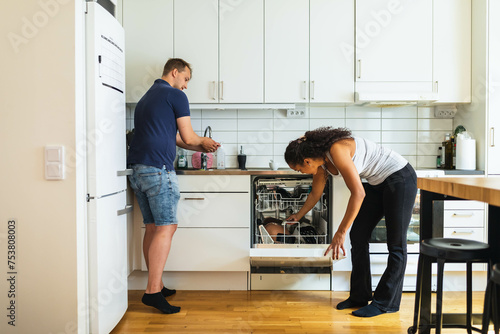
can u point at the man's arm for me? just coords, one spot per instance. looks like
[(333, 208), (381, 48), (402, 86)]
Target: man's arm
[(188, 139)]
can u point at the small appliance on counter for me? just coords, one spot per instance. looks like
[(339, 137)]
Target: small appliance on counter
[(242, 159)]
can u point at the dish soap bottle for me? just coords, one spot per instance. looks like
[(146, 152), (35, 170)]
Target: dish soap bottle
[(181, 160), (221, 158)]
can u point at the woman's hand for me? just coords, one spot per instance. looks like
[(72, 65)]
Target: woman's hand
[(293, 218), (336, 245)]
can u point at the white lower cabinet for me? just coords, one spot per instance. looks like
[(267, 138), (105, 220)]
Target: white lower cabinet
[(378, 264)]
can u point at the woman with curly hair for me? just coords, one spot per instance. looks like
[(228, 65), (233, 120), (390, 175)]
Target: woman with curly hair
[(389, 190)]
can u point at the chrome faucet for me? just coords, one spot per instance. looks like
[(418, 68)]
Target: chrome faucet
[(209, 129)]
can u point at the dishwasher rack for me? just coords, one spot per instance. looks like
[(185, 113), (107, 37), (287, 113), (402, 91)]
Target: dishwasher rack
[(298, 233), (271, 201)]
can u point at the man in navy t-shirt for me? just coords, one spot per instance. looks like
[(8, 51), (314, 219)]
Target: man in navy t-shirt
[(162, 121)]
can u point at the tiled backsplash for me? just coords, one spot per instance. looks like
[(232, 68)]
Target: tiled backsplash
[(264, 134)]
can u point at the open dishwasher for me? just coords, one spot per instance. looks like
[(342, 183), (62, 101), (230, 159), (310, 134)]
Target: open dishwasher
[(289, 255)]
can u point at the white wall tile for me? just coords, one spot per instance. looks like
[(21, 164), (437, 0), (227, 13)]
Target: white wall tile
[(230, 149), (431, 136), (258, 149), (374, 136), (323, 112), (363, 112), (196, 124), (224, 137), (426, 161), (287, 136), (399, 136), (363, 124), (255, 124), (399, 124), (403, 149), (258, 161), (256, 137), (280, 160), (211, 113), (425, 112), (195, 113), (279, 149), (435, 124), (412, 160), (318, 122), (290, 124), (400, 112), (255, 113), (428, 149), (219, 124)]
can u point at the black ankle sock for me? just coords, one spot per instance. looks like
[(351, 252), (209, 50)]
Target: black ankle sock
[(368, 311), (167, 292), (157, 301), (349, 303)]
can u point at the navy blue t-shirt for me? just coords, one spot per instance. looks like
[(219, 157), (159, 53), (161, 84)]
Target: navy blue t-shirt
[(155, 121)]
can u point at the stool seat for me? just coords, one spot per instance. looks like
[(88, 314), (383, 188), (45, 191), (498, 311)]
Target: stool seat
[(453, 249)]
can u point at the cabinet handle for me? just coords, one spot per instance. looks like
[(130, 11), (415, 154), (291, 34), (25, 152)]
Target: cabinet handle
[(128, 208), (492, 137), (463, 214), (463, 232), (125, 172), (312, 90), (194, 199), (359, 68), (305, 89), (437, 86), (214, 86), (222, 90)]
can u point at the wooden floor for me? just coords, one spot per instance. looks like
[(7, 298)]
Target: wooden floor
[(272, 312)]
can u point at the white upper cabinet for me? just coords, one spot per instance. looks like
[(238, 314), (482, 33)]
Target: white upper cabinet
[(452, 50), (493, 96), (241, 51), (196, 41), (331, 51), (149, 37), (287, 51), (394, 41), (223, 41)]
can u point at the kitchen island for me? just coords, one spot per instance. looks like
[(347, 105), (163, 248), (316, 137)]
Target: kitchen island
[(486, 190)]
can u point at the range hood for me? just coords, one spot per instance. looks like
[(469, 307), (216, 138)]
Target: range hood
[(398, 99)]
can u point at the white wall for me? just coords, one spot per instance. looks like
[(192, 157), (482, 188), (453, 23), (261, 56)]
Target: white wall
[(39, 106), (413, 132)]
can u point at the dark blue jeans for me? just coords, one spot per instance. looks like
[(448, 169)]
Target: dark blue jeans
[(394, 198)]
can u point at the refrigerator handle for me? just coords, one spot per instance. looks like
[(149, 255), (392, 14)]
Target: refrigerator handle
[(128, 208), (125, 172)]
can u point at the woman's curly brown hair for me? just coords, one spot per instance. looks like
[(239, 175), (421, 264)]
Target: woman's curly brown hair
[(314, 144)]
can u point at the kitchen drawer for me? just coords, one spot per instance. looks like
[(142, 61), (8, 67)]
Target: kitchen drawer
[(378, 264), (210, 249), (463, 205), (469, 233), (214, 210), (463, 218), (214, 183)]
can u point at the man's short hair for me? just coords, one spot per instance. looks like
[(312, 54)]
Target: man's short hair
[(176, 63)]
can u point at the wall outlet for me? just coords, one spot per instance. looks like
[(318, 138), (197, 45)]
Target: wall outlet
[(445, 111), (296, 113)]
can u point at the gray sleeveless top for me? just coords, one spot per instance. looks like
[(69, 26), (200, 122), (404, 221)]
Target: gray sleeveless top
[(373, 161)]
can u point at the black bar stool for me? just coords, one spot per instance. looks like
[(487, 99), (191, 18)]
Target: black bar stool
[(491, 307), (443, 250)]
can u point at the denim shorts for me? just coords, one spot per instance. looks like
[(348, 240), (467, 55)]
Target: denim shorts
[(157, 192)]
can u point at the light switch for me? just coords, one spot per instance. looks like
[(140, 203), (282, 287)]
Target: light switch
[(54, 162)]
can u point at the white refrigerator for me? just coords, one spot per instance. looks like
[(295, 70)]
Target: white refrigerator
[(106, 170)]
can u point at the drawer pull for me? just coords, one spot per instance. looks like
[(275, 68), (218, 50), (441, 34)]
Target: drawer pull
[(194, 199), (463, 214), (463, 232)]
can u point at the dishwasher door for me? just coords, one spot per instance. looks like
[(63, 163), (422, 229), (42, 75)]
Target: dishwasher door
[(289, 255)]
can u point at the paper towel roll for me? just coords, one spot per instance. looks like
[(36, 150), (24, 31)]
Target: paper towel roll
[(466, 154)]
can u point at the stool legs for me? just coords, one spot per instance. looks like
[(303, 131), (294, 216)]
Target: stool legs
[(418, 296), (491, 306), (469, 298), (439, 296)]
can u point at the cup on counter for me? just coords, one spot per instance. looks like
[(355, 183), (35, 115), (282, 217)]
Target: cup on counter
[(274, 165)]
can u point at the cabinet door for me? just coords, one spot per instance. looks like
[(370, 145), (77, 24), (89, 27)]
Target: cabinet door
[(494, 87), (241, 51), (394, 40), (287, 51), (196, 41), (149, 38), (331, 51), (210, 249), (452, 50)]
